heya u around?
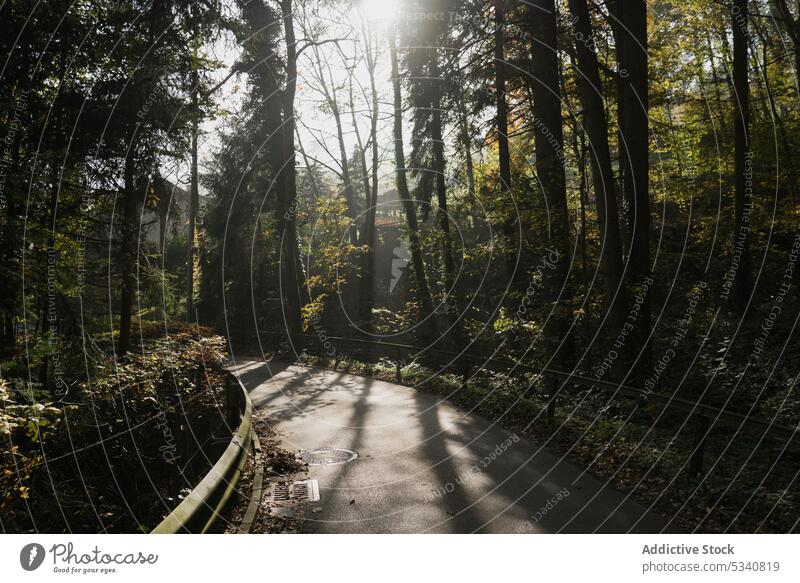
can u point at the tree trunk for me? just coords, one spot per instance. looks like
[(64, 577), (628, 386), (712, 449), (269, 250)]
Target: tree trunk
[(162, 231), (369, 275), (602, 172), (634, 155), (367, 238), (194, 198), (423, 291), (442, 213), (361, 155), (291, 265), (549, 140), (501, 121), (742, 163), (127, 250), (368, 284), (469, 166)]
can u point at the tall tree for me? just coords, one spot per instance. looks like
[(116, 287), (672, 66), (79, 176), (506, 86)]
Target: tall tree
[(602, 171), (290, 252), (465, 139), (369, 177), (201, 23), (501, 123), (370, 56), (631, 49), (194, 196), (742, 165), (326, 85), (137, 81), (426, 82), (275, 82), (549, 138), (418, 264)]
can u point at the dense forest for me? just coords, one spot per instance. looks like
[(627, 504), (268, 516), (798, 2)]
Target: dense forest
[(582, 215)]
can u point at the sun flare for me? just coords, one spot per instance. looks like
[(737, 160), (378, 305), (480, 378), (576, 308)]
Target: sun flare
[(380, 12)]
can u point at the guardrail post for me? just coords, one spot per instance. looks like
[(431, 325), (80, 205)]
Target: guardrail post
[(698, 445)]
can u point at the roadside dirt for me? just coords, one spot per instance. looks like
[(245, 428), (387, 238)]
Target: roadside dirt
[(279, 465)]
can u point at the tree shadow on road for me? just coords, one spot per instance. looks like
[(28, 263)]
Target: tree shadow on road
[(253, 374), (462, 516)]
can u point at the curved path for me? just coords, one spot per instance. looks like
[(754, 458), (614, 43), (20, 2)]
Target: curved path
[(423, 465)]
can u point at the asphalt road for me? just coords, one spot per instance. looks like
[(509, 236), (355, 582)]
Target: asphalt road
[(425, 466)]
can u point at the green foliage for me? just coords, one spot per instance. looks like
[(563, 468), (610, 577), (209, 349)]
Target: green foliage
[(146, 403)]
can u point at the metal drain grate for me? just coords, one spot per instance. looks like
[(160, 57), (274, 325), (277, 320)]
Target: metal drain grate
[(327, 456), (307, 490), (281, 492)]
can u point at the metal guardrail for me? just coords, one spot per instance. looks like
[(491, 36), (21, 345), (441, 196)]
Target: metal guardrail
[(257, 493), (703, 413), (203, 505)]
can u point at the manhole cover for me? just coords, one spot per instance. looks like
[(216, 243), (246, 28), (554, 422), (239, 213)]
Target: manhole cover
[(327, 456)]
